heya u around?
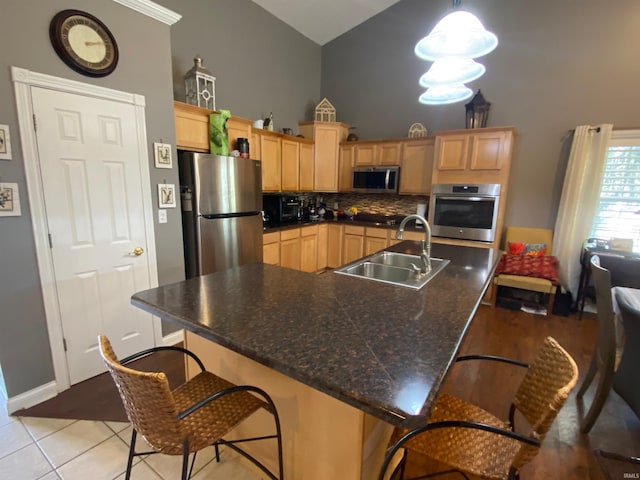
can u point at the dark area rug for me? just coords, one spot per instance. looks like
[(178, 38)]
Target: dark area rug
[(97, 398), (618, 467)]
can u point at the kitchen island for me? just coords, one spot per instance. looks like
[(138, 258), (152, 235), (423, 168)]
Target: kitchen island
[(345, 359)]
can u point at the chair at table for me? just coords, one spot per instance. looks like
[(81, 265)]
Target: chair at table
[(195, 415), (603, 361), (472, 441), (527, 236), (625, 381)]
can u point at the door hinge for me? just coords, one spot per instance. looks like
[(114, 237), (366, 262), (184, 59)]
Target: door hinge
[(35, 123), (50, 241), (64, 344)]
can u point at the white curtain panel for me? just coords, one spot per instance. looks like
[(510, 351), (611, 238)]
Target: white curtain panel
[(580, 198)]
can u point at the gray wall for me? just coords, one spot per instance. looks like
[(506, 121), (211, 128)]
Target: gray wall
[(261, 66), (558, 65)]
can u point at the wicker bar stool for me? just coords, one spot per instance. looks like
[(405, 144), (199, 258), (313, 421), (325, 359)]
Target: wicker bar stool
[(197, 414), (472, 441)]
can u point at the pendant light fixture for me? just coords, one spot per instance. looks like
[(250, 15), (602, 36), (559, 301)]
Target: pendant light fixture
[(452, 45)]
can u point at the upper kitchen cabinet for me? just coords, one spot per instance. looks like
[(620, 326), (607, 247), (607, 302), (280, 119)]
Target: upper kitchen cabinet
[(345, 171), (192, 127), (416, 166), (238, 127), (381, 152), (306, 165), (473, 156), (290, 165), (327, 137), (270, 156)]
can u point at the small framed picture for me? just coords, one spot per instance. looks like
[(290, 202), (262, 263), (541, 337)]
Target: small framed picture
[(9, 200), (5, 143), (162, 152), (166, 195)]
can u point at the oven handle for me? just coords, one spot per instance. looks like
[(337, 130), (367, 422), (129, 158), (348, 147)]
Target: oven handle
[(464, 197), (386, 180)]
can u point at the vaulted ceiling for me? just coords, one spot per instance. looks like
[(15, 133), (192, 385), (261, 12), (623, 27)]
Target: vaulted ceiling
[(324, 20)]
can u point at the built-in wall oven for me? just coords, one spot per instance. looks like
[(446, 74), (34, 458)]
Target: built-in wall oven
[(468, 212)]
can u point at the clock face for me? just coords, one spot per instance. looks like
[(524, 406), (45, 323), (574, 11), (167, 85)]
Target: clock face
[(84, 43)]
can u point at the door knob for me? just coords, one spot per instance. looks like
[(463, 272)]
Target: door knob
[(137, 251)]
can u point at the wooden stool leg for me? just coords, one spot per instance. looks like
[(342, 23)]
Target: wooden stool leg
[(494, 293), (552, 300)]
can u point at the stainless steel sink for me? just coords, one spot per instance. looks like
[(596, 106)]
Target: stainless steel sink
[(393, 268)]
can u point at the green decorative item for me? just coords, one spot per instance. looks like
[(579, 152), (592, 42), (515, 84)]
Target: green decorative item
[(218, 138)]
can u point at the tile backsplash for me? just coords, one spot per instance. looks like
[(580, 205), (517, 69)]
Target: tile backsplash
[(382, 204)]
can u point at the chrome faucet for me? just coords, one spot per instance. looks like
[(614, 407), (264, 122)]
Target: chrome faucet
[(425, 255)]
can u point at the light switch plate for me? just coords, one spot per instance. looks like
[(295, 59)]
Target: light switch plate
[(162, 216)]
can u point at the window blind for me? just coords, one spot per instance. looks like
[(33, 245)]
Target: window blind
[(618, 213)]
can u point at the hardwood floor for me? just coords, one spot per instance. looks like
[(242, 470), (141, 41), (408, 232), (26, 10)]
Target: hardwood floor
[(566, 453)]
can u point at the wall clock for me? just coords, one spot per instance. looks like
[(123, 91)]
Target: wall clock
[(84, 43)]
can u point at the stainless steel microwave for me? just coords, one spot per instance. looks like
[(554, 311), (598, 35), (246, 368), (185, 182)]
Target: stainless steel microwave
[(375, 179)]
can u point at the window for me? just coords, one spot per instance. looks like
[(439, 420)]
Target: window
[(618, 213)]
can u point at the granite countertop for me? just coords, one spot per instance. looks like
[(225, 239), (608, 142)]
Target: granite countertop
[(380, 348), (390, 222)]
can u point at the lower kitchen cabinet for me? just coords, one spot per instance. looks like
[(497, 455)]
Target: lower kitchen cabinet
[(309, 248), (271, 248), (290, 248), (353, 243), (323, 242), (335, 237), (375, 239)]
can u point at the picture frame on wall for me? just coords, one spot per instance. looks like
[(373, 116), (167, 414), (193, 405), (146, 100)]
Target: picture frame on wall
[(166, 195), (9, 200), (162, 155), (5, 143)]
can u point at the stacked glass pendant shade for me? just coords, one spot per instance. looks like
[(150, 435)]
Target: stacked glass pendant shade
[(452, 45)]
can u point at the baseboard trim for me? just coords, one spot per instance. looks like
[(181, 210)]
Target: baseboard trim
[(173, 338), (32, 397)]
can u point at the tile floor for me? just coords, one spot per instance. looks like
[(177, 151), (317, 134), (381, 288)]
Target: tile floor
[(52, 449)]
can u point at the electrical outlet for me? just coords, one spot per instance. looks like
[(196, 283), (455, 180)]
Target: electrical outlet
[(162, 216)]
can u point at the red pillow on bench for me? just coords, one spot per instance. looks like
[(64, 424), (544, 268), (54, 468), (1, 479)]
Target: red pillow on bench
[(527, 266)]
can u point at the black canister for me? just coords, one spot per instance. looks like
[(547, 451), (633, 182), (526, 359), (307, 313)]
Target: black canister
[(242, 145)]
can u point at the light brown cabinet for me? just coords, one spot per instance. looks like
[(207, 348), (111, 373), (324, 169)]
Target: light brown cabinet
[(192, 127), (353, 243), (271, 248), (375, 239), (335, 238), (290, 248), (347, 159), (327, 137), (270, 155), (238, 127), (309, 248), (383, 152), (473, 156), (306, 166), (416, 166), (323, 243), (290, 165)]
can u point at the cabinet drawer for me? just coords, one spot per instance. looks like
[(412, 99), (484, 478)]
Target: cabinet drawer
[(289, 234), (377, 232), (353, 230), (271, 237), (309, 230)]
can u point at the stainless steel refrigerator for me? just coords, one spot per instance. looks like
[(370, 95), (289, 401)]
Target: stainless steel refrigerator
[(221, 211)]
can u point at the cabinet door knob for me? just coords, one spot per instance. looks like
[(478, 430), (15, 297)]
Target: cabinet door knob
[(137, 251)]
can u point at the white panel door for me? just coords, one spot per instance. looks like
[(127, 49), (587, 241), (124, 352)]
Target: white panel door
[(90, 169)]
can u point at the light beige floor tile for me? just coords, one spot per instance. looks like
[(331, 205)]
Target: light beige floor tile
[(117, 426), (105, 461), (50, 476), (13, 437), (142, 471), (5, 418), (170, 466), (227, 468), (141, 444), (71, 441), (41, 427), (28, 463)]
